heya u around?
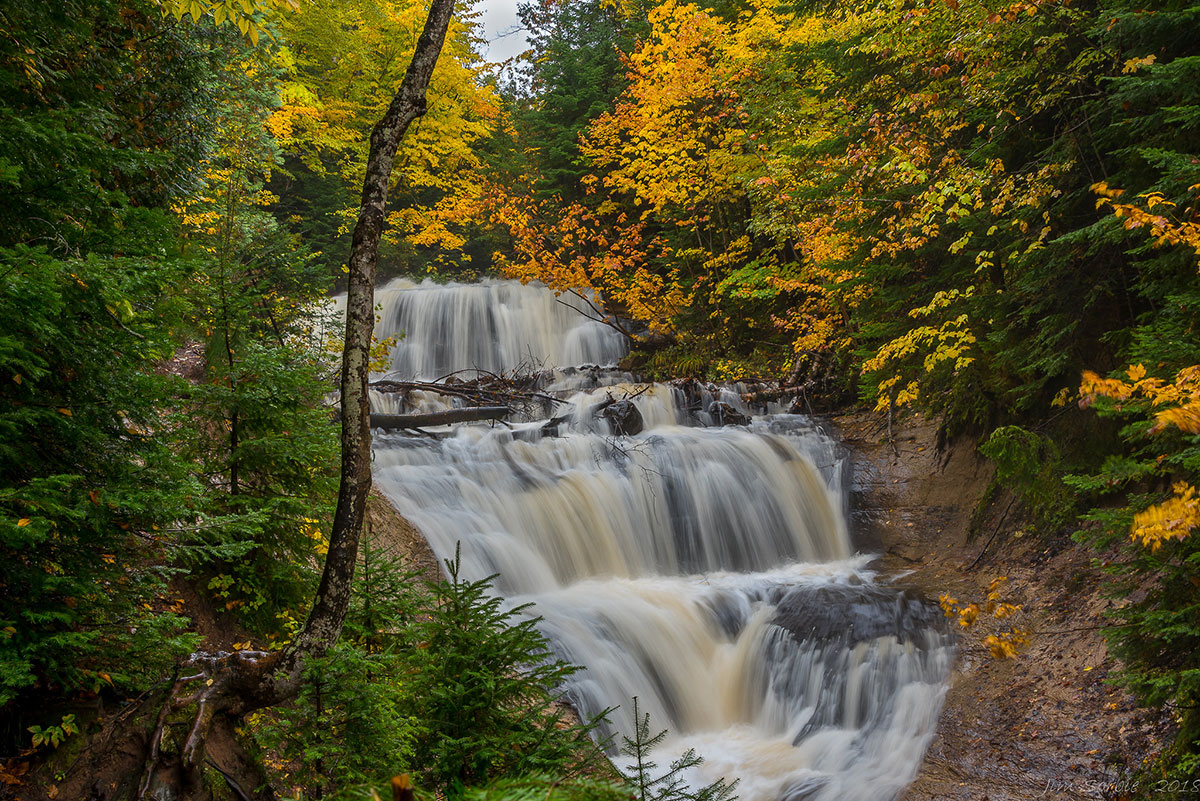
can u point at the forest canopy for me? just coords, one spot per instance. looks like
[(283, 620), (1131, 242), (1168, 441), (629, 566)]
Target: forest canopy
[(986, 212)]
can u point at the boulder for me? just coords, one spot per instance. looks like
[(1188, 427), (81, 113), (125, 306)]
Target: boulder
[(725, 415), (623, 418)]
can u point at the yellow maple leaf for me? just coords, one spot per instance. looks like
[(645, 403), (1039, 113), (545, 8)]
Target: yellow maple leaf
[(1135, 64)]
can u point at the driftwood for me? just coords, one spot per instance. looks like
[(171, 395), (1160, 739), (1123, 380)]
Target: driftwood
[(486, 389), (772, 393), (464, 415)]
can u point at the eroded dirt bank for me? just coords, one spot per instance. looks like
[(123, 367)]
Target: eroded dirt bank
[(1045, 725)]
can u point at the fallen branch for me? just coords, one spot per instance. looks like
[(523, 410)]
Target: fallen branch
[(470, 414), (492, 390), (774, 393)]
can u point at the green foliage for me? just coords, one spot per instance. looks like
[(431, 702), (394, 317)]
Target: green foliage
[(351, 725), (85, 485), (115, 123), (99, 122), (484, 683), (1029, 465), (574, 71), (548, 788), (436, 679), (256, 430), (54, 735), (649, 784)]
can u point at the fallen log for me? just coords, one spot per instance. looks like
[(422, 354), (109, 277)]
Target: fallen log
[(465, 415), (774, 393), (495, 390)]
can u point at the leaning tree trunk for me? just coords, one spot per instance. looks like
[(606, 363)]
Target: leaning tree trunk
[(222, 688), (333, 596)]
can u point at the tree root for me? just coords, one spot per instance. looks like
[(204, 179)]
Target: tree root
[(233, 685)]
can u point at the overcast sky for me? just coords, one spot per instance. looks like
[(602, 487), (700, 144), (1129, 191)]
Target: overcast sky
[(501, 28)]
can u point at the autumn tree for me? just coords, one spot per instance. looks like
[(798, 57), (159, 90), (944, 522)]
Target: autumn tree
[(333, 595), (336, 83), (112, 284)]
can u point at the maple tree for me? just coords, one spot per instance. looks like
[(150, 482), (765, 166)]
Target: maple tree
[(337, 81)]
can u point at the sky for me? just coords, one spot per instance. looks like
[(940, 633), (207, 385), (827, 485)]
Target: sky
[(501, 28)]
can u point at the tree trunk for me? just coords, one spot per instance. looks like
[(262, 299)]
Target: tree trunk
[(464, 415), (324, 623)]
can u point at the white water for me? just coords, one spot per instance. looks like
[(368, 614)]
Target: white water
[(707, 571), (495, 326)]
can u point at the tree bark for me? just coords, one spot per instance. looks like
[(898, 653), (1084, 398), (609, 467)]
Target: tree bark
[(464, 415), (328, 613)]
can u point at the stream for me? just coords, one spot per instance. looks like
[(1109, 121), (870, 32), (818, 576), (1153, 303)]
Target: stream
[(708, 571)]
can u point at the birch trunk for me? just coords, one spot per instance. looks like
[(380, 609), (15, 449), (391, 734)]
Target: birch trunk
[(328, 613)]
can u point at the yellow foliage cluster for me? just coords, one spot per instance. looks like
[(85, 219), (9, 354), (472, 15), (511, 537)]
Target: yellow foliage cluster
[(1181, 397), (1163, 225), (1176, 517), (1007, 644), (950, 343), (573, 248), (1003, 644), (673, 140), (246, 15)]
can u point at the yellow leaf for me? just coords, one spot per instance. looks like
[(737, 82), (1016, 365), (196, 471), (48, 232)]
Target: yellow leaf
[(65, 412), (1134, 64), (24, 521), (17, 378), (1185, 418)]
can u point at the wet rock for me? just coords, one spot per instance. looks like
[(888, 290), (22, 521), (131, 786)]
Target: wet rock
[(725, 415), (857, 613), (623, 418)]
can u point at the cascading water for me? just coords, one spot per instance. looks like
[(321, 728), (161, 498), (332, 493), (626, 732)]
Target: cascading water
[(493, 325), (706, 571)]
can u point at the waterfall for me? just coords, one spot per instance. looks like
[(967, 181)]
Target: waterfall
[(494, 325), (706, 571)]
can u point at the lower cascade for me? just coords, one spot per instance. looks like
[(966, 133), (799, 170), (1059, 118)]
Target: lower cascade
[(706, 571)]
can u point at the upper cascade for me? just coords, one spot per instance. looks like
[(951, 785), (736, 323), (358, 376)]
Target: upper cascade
[(493, 325)]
